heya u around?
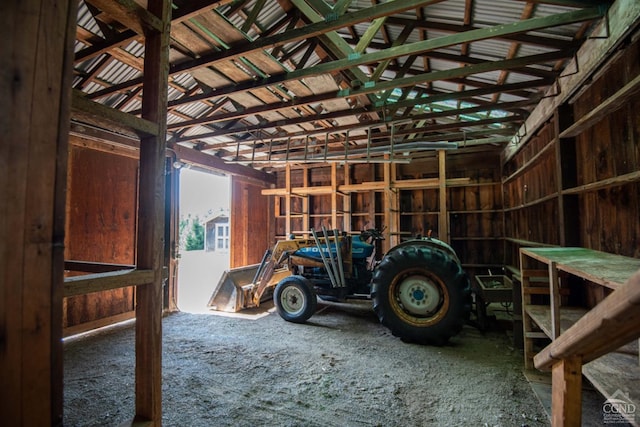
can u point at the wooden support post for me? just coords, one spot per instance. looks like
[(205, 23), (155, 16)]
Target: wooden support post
[(173, 236), (150, 242), (443, 218), (566, 393), (390, 207), (305, 200), (35, 89), (287, 200), (346, 201), (244, 221), (334, 195), (554, 295)]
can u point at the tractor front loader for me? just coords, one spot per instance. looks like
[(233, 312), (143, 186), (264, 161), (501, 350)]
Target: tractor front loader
[(418, 289)]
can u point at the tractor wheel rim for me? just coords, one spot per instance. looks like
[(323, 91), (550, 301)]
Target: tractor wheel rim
[(419, 295), (292, 300)]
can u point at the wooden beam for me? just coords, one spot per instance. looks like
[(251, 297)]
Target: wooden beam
[(81, 285), (610, 105), (451, 40), (334, 196), (130, 14), (622, 18), (297, 34), (378, 107), (614, 322), (404, 82), (361, 125), (186, 9), (382, 66), (251, 19), (287, 199), (443, 216), (210, 161), (566, 393), (412, 48), (346, 200), (95, 267), (405, 184), (369, 34), (84, 109), (605, 183), (150, 239), (37, 49), (426, 24)]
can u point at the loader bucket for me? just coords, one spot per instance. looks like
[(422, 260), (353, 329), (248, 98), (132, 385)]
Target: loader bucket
[(228, 295)]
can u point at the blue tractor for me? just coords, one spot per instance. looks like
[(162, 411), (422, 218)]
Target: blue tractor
[(418, 289)]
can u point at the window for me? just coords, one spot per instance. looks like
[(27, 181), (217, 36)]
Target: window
[(222, 236)]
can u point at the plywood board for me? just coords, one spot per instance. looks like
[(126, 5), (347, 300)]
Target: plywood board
[(219, 26), (210, 78), (321, 84), (265, 62)]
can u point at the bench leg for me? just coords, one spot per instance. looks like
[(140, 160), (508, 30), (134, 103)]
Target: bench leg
[(566, 393)]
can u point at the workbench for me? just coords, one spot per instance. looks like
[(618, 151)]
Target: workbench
[(612, 373)]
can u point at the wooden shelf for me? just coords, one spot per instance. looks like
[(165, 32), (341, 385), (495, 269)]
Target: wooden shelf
[(610, 373), (615, 370), (418, 213), (608, 106), (541, 315), (487, 211), (522, 242), (476, 238), (532, 203), (605, 183), (602, 268), (545, 150)]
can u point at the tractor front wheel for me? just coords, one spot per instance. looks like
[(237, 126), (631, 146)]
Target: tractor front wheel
[(421, 294), (295, 299)]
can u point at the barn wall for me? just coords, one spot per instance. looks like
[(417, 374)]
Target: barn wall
[(582, 187), (473, 208), (101, 227), (610, 217), (251, 223)]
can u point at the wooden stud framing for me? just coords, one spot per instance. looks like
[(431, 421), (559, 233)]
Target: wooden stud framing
[(334, 195), (443, 217), (287, 200), (346, 201), (305, 201)]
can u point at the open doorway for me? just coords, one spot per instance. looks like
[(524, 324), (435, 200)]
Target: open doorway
[(204, 236)]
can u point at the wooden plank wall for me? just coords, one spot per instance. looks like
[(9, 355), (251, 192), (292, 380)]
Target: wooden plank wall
[(581, 190), (36, 48), (101, 226), (474, 207), (610, 216), (252, 231)]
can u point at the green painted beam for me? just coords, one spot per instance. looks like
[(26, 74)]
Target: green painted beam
[(451, 40), (422, 101), (328, 24)]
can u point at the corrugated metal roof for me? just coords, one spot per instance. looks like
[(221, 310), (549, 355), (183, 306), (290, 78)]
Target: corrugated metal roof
[(254, 93)]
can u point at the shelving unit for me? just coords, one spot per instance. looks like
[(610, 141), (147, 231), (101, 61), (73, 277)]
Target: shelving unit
[(548, 318), (416, 200)]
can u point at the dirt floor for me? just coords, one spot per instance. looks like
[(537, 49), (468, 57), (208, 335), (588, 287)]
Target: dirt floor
[(342, 368)]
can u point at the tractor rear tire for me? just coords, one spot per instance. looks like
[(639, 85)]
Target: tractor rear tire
[(295, 299), (421, 294)]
